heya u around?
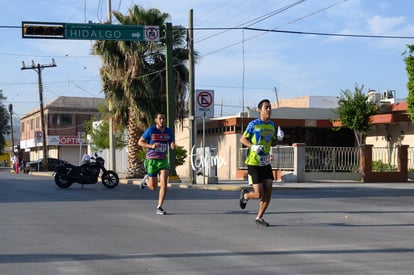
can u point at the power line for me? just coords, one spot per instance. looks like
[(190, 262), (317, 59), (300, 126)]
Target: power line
[(310, 33), (256, 20)]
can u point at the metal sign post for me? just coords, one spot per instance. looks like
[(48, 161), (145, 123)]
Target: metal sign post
[(204, 109), (80, 140), (38, 139)]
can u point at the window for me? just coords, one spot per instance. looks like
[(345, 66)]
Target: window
[(61, 119)]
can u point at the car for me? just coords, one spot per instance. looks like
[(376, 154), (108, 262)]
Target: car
[(39, 166)]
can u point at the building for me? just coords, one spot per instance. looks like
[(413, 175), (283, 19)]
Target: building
[(7, 152), (304, 122), (65, 132)]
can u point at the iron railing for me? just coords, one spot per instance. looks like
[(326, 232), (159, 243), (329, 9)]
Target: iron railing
[(328, 159), (283, 158), (331, 159)]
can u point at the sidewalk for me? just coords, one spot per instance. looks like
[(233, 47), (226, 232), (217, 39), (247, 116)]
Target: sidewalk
[(235, 185)]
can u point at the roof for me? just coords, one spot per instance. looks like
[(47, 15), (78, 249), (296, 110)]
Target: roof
[(74, 102), (70, 102)]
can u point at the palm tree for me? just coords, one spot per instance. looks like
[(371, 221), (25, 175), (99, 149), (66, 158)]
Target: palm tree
[(133, 76)]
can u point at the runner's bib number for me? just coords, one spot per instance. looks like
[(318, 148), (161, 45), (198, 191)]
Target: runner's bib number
[(264, 160)]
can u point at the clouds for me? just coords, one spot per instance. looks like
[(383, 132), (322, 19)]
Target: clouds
[(385, 25)]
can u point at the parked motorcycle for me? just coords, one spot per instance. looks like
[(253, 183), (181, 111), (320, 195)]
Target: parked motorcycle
[(88, 173)]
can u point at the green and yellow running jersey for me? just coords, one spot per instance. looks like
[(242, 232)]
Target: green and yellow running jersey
[(260, 133)]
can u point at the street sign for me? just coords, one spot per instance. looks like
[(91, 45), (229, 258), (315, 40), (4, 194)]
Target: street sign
[(111, 32), (38, 136), (76, 31), (204, 103)]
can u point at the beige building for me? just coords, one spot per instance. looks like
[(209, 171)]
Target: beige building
[(65, 134), (306, 122), (302, 123)]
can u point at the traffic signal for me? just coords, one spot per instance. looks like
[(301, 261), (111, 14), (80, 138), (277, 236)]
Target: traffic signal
[(43, 30)]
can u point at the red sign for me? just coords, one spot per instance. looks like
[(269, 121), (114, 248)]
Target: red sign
[(38, 134), (205, 99), (152, 33)]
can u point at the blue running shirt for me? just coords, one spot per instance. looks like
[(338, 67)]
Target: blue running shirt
[(153, 135)]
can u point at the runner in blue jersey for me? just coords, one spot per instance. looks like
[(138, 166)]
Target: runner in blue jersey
[(156, 139), (259, 136)]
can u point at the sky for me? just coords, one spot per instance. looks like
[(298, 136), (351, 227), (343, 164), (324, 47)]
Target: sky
[(240, 65)]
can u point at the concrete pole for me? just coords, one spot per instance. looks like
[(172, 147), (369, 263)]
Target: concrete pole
[(170, 93), (191, 113)]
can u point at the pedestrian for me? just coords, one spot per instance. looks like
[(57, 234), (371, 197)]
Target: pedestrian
[(86, 158), (23, 166), (259, 136), (156, 140)]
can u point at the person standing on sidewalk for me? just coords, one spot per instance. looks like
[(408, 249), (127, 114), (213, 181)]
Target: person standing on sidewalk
[(156, 140), (259, 136)]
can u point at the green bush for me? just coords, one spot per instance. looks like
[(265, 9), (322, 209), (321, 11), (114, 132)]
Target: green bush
[(379, 166)]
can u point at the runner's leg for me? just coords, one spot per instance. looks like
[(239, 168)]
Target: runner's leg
[(163, 186), (267, 195)]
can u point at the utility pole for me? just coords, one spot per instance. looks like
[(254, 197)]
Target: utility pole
[(11, 128), (112, 159), (170, 94), (191, 113), (38, 68)]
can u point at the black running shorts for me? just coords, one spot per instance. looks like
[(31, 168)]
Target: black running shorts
[(257, 174)]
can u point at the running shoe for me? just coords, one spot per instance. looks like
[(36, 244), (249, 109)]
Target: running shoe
[(243, 201), (261, 222), (161, 211), (143, 183)]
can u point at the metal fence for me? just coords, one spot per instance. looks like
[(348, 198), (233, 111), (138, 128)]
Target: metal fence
[(283, 158), (411, 158), (331, 159), (389, 156), (328, 159)]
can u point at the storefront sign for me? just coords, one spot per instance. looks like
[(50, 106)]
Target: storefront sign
[(63, 140)]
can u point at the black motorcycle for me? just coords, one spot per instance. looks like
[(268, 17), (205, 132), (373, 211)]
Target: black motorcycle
[(88, 173)]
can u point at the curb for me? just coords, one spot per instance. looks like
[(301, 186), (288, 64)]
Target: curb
[(226, 187)]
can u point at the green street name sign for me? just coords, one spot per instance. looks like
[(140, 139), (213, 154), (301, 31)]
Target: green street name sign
[(76, 31), (111, 32)]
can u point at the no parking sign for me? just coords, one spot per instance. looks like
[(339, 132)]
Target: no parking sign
[(38, 137), (204, 103)]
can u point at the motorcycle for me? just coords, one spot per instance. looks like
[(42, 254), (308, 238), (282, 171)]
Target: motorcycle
[(88, 173)]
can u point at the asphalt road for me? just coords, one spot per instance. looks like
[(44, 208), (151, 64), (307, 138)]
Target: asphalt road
[(94, 230)]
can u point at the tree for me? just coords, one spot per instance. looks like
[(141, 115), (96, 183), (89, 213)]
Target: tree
[(354, 111), (4, 119), (99, 133), (133, 76), (409, 66)]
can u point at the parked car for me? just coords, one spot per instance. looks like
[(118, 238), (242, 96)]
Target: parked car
[(51, 164)]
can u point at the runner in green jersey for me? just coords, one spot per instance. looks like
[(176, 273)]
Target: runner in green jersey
[(259, 136)]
